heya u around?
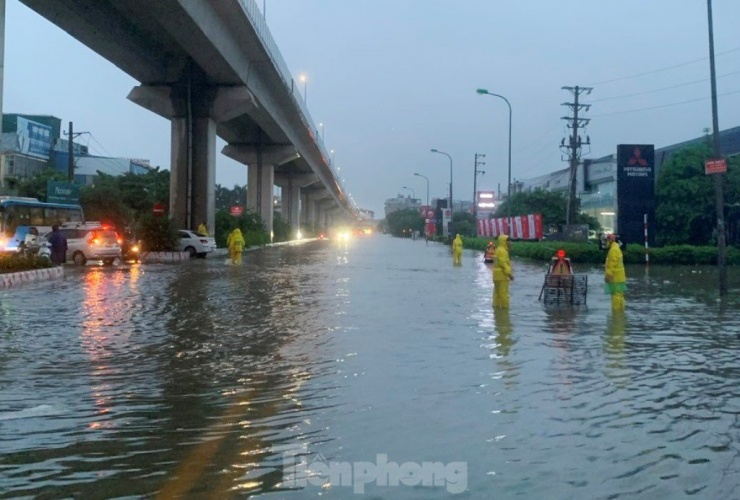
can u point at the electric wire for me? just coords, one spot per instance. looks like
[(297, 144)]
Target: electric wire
[(688, 101), (666, 68), (686, 84)]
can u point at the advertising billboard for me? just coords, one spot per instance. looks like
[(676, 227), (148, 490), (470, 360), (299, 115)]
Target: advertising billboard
[(62, 192), (34, 139), (486, 203), (635, 191)]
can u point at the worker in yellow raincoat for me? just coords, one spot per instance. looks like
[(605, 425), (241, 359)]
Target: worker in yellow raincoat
[(236, 243), (502, 273), (203, 229), (614, 275), (457, 247)]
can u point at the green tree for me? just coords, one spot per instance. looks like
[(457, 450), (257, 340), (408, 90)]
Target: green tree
[(464, 224), (249, 223), (401, 220), (226, 197), (35, 187), (686, 209), (551, 204), (158, 234)]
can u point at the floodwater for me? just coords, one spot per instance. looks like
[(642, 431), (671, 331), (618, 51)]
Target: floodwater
[(328, 369)]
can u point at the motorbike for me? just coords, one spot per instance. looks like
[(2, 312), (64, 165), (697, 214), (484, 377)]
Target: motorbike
[(35, 250)]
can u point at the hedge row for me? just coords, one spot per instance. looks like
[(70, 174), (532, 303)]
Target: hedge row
[(589, 253), (15, 263)]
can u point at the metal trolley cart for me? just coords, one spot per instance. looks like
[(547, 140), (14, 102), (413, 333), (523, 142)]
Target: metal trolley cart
[(561, 285)]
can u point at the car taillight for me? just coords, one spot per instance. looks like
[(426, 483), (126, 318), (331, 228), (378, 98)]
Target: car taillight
[(204, 241), (95, 241)]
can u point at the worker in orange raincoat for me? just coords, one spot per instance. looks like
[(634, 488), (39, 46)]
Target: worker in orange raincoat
[(236, 243), (457, 247), (614, 275), (560, 264), (502, 273)]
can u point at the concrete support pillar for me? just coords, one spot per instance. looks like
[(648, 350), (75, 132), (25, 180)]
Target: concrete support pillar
[(262, 160), (293, 198), (261, 180), (193, 169), (194, 108), (313, 215), (304, 208), (293, 201)]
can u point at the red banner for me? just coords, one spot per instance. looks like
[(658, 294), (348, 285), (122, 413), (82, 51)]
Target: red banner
[(523, 227)]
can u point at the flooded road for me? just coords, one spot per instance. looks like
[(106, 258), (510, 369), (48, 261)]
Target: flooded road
[(328, 369)]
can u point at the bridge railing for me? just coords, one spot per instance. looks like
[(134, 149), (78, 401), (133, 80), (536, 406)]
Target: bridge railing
[(259, 24)]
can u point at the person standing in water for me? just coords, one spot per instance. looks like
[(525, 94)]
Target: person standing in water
[(502, 273)]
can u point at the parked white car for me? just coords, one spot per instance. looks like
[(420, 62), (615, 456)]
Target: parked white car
[(195, 244)]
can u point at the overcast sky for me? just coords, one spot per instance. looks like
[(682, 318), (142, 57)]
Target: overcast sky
[(391, 79)]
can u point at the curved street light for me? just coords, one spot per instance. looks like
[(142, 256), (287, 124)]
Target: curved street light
[(508, 191), (427, 178), (413, 193), (450, 157)]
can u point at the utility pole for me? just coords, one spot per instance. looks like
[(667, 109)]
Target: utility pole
[(71, 152), (475, 182), (574, 145), (719, 194)]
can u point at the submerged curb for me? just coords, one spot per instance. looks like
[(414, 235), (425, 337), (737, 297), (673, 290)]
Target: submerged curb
[(11, 280), (163, 257)]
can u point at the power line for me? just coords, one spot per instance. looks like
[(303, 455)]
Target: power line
[(662, 88), (664, 105), (666, 68)]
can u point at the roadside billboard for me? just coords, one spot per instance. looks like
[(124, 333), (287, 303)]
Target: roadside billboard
[(34, 139), (635, 191), (485, 203), (62, 192)]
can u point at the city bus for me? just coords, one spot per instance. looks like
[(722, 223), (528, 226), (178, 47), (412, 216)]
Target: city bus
[(18, 214)]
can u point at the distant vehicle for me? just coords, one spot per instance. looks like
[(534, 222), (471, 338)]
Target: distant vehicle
[(91, 241), (18, 215), (195, 244)]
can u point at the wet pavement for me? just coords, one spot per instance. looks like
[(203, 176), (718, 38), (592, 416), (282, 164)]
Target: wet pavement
[(302, 372)]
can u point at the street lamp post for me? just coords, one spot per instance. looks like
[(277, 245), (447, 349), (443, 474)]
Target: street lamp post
[(508, 191), (427, 178), (450, 157), (321, 126), (413, 193)]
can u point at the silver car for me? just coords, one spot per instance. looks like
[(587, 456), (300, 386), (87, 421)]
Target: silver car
[(91, 242)]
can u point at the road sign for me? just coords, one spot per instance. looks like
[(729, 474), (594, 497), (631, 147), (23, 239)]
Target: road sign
[(236, 210), (715, 166), (158, 209)]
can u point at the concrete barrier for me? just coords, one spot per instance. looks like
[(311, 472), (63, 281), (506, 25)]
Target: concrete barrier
[(11, 280), (163, 257)]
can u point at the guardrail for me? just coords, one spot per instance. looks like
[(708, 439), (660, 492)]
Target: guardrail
[(259, 24)]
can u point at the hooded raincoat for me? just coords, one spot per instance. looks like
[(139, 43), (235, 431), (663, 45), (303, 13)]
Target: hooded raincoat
[(614, 275), (502, 273), (236, 246), (457, 247)]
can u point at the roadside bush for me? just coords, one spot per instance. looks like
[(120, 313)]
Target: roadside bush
[(250, 224), (280, 229), (589, 253), (157, 234), (17, 263)]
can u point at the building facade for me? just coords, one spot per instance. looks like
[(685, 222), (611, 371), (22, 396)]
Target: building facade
[(31, 144), (596, 180)]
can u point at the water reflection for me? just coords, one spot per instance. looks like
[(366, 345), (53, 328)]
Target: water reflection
[(502, 323)]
